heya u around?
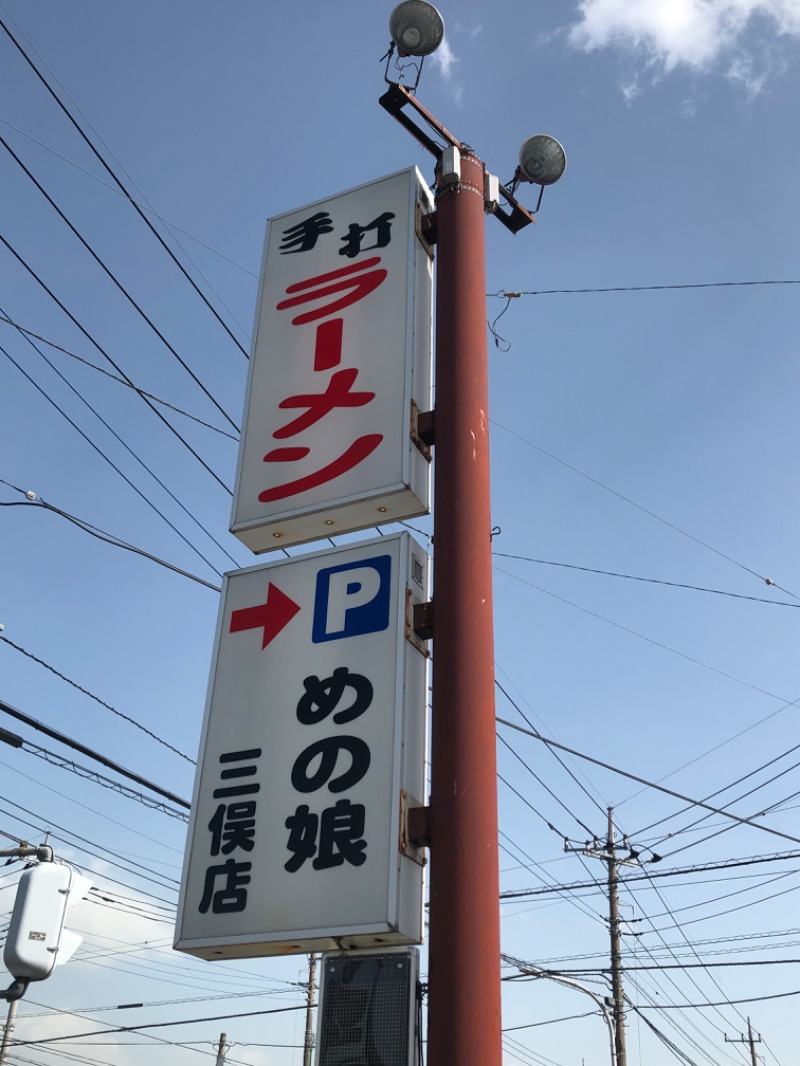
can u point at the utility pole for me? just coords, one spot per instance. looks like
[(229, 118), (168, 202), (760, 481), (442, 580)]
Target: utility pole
[(608, 855), (463, 985), (8, 1031), (464, 1003), (222, 1049), (616, 955), (311, 1002), (749, 1039)]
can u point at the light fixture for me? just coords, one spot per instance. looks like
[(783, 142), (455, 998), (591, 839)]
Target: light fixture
[(416, 27), (542, 160)]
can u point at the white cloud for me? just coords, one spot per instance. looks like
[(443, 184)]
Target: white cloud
[(692, 33), (445, 60)]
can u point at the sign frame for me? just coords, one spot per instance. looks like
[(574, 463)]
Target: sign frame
[(398, 350), (396, 919)]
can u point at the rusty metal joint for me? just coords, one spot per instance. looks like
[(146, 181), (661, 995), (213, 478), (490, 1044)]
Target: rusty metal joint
[(423, 620), (418, 828), (420, 430)]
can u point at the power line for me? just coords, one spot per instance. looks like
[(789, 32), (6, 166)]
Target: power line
[(701, 868), (93, 847), (643, 288), (642, 636), (96, 756), (119, 183), (87, 774), (114, 466), (113, 377), (640, 780), (97, 699), (647, 580), (144, 206), (644, 510), (158, 1025), (116, 366), (112, 276), (107, 538)]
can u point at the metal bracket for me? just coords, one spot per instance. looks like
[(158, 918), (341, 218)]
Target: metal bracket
[(414, 835), (421, 429), (425, 229), (423, 620), (413, 634), (518, 217), (397, 98)]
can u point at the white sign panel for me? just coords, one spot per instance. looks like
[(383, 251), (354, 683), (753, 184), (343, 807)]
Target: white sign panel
[(341, 349), (314, 731)]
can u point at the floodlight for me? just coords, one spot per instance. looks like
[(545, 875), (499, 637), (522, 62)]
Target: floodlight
[(542, 160), (416, 27)]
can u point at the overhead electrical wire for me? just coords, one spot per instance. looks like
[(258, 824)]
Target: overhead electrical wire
[(172, 225), (97, 699), (110, 1029), (107, 538), (738, 781), (113, 278), (87, 774), (646, 580), (700, 868), (107, 167), (717, 747), (761, 814), (69, 742), (157, 1025), (643, 636), (645, 510), (736, 799), (114, 466), (115, 377), (716, 899), (539, 781), (744, 906), (116, 366), (160, 880), (599, 801), (645, 288), (572, 900), (637, 778), (706, 966)]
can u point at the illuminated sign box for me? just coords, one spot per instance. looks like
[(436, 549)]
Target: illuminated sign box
[(341, 362), (314, 735)]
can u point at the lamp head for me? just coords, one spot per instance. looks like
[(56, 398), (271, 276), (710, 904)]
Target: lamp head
[(416, 27), (542, 160)]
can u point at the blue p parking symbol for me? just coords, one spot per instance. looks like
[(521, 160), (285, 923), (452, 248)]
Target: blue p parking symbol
[(352, 599)]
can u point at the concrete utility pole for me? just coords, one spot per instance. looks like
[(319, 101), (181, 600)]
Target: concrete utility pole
[(749, 1039), (311, 1002), (616, 955), (8, 1032), (222, 1049), (608, 855)]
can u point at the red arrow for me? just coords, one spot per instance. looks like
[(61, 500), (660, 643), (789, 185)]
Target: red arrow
[(273, 615)]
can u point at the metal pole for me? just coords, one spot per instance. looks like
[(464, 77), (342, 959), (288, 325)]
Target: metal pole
[(753, 1056), (616, 955), (308, 1046), (9, 1029), (464, 959), (223, 1047)]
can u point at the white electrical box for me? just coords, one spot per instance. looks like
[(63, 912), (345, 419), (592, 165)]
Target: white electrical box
[(37, 940)]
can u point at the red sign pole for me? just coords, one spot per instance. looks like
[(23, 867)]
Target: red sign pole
[(464, 962)]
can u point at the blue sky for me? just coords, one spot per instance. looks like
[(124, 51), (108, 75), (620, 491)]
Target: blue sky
[(642, 433)]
